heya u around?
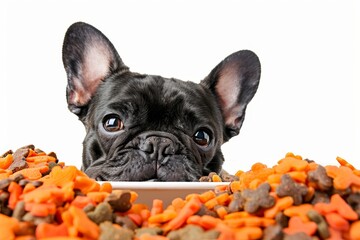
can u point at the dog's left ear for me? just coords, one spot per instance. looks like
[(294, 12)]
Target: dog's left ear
[(88, 57), (234, 82)]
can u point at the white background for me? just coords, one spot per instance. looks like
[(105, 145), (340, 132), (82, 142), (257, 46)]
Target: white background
[(308, 100)]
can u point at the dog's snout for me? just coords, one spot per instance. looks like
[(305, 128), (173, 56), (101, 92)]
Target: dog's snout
[(158, 147)]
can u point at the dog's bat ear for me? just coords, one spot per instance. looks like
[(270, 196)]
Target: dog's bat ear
[(88, 57), (234, 82)]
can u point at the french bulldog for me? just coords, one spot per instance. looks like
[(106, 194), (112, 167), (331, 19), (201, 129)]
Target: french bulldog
[(142, 127)]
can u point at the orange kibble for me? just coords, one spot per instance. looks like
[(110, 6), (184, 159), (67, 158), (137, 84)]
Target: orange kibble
[(106, 187), (310, 194), (82, 201), (311, 166), (5, 174), (208, 222), (343, 162), (300, 211), (15, 193), (280, 205), (296, 225), (221, 212), (40, 159), (255, 183), (337, 205), (178, 203), (40, 209), (59, 176), (290, 163), (47, 230), (337, 222), (148, 236), (78, 222), (258, 166), (343, 208), (274, 178), (298, 176), (194, 219), (97, 197), (32, 152), (84, 183), (8, 227), (235, 186), (234, 215), (6, 161), (31, 173), (248, 233), (190, 208), (216, 178), (166, 216), (157, 207), (343, 177), (206, 196), (28, 188), (238, 173), (355, 230)]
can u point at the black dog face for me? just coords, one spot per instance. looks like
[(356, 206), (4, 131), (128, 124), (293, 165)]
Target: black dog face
[(143, 127)]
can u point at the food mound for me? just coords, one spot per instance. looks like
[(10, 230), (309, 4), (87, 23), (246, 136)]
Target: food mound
[(42, 198)]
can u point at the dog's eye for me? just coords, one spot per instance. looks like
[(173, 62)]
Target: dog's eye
[(113, 123), (202, 138)]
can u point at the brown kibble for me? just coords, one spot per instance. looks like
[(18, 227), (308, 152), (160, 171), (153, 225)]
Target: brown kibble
[(26, 229), (4, 209), (190, 232), (354, 201), (289, 187), (18, 177), (148, 230), (19, 161), (297, 236), (109, 231), (6, 153), (257, 199), (281, 219), (320, 197), (4, 196), (4, 184), (238, 202), (28, 217), (205, 211), (119, 200), (205, 179), (125, 222), (89, 208), (102, 213), (320, 178), (227, 177), (273, 232), (322, 227), (18, 165), (19, 210), (52, 154)]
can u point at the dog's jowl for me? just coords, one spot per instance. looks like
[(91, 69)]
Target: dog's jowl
[(143, 127)]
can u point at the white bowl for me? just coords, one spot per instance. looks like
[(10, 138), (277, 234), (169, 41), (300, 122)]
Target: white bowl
[(166, 191)]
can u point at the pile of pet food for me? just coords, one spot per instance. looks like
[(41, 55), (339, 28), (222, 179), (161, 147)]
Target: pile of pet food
[(41, 198)]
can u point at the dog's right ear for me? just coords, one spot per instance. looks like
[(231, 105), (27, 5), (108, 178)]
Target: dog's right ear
[(88, 57)]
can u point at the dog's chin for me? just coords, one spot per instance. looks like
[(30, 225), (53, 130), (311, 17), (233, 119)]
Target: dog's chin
[(136, 165)]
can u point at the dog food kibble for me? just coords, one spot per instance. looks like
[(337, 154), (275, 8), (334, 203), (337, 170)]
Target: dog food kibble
[(42, 198)]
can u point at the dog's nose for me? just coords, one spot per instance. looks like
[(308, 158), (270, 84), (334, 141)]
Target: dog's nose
[(158, 147)]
